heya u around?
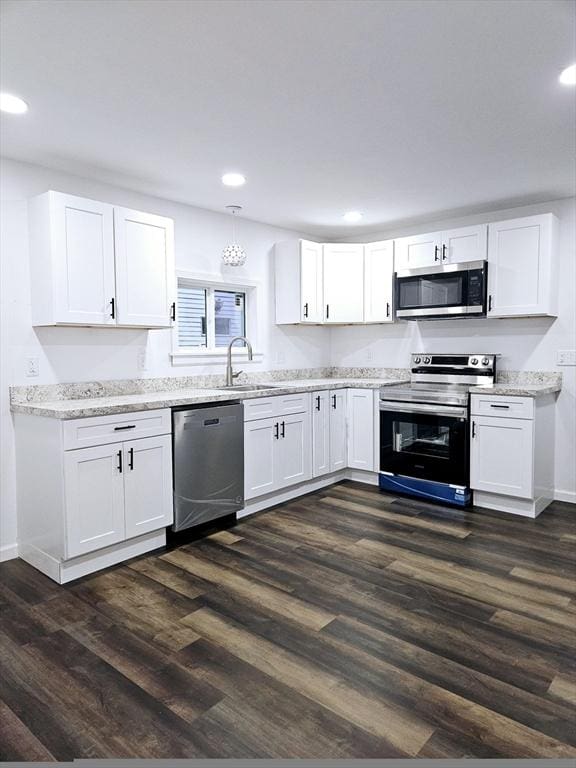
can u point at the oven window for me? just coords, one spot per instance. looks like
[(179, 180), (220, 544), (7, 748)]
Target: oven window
[(421, 439), (432, 291)]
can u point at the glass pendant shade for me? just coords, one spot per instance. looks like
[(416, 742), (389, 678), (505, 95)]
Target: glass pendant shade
[(233, 255)]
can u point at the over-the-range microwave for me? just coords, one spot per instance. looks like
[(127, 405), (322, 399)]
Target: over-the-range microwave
[(448, 290)]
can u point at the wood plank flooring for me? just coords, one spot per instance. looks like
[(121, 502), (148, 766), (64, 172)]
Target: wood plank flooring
[(345, 624)]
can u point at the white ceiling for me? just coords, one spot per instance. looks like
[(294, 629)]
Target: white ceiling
[(403, 109)]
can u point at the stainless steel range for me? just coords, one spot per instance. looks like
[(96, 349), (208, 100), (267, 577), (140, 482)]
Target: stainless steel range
[(424, 440)]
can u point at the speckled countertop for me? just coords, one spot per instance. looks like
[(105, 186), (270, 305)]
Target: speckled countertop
[(80, 400)]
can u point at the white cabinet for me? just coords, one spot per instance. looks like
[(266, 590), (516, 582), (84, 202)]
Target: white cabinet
[(147, 484), (277, 450), (449, 247), (522, 267), (379, 282), (94, 493), (92, 263), (343, 283), (298, 282), (512, 453), (360, 412), (144, 247), (338, 429), (321, 433)]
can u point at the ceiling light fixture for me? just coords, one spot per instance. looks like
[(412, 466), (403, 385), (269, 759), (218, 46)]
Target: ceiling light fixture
[(233, 180), (14, 105), (352, 217), (568, 75), (233, 255)]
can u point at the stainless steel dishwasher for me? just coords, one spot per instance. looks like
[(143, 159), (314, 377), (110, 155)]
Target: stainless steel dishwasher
[(208, 443)]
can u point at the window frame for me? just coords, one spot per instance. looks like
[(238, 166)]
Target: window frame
[(211, 354)]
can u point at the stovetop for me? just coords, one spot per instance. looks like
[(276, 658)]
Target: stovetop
[(446, 394)]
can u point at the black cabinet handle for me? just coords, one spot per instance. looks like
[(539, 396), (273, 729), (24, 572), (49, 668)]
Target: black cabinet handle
[(119, 429), (333, 401), (119, 467), (173, 311), (444, 249), (387, 309), (283, 433), (436, 258), (473, 429), (112, 303), (499, 406), (490, 303), (317, 402), (276, 430), (327, 311), (306, 309), (131, 458)]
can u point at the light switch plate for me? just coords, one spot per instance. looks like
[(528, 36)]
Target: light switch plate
[(32, 366), (566, 357)]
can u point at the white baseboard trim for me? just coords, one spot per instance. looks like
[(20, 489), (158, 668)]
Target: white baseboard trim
[(569, 496), (8, 552)]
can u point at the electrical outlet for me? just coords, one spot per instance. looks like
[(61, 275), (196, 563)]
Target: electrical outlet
[(566, 357), (141, 360), (32, 366)]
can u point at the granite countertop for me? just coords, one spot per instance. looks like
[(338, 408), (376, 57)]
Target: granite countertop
[(108, 406), (518, 390)]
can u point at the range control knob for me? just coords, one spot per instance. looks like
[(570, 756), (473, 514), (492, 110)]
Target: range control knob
[(427, 360), (417, 360), (485, 361), (474, 361)]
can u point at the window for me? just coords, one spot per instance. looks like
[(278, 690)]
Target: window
[(209, 317)]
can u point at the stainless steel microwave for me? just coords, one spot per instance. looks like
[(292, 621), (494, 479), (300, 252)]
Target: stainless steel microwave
[(448, 290)]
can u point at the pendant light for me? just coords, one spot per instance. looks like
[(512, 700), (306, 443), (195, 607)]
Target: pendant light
[(233, 255)]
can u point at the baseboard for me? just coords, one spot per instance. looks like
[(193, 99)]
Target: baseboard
[(8, 552), (569, 496)]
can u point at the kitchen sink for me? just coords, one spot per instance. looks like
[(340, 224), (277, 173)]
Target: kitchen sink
[(250, 387)]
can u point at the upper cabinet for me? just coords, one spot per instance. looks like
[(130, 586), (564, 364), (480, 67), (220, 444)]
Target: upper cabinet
[(379, 282), (450, 247), (343, 283), (92, 263), (298, 282), (522, 270)]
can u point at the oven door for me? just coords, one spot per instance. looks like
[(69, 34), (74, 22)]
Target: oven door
[(453, 289), (424, 441)]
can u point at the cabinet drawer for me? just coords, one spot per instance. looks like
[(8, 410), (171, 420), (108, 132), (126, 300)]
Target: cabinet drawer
[(506, 407), (279, 405), (101, 430)]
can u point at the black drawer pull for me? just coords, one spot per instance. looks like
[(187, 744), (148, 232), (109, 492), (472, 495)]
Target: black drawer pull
[(112, 303), (131, 458), (317, 402), (283, 433), (473, 429), (173, 311), (436, 253), (333, 401), (387, 309), (119, 467), (499, 406), (276, 434), (119, 429), (306, 309)]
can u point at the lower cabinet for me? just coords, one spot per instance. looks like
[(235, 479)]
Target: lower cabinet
[(277, 451), (328, 431), (501, 456), (116, 492), (361, 425)]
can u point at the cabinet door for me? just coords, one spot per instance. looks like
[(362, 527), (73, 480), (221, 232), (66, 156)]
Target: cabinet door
[(521, 273), (361, 429), (294, 450), (259, 456), (94, 490), (379, 282), (147, 484), (311, 281), (320, 433), (337, 429), (418, 251), (145, 274), (464, 244), (343, 275), (82, 235), (501, 456)]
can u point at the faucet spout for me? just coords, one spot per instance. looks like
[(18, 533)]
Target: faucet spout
[(230, 375)]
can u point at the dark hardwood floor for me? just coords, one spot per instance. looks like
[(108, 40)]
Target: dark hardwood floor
[(344, 624)]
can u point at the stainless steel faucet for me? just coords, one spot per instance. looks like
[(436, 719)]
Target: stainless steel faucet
[(230, 376)]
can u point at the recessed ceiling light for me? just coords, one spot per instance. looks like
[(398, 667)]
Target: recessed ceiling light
[(12, 104), (233, 179), (568, 75), (352, 217)]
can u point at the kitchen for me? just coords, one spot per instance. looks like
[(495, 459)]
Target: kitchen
[(331, 364)]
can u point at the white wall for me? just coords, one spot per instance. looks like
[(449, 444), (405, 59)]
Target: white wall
[(524, 343), (84, 354)]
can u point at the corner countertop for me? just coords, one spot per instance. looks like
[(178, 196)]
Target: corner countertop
[(518, 390), (108, 406)]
